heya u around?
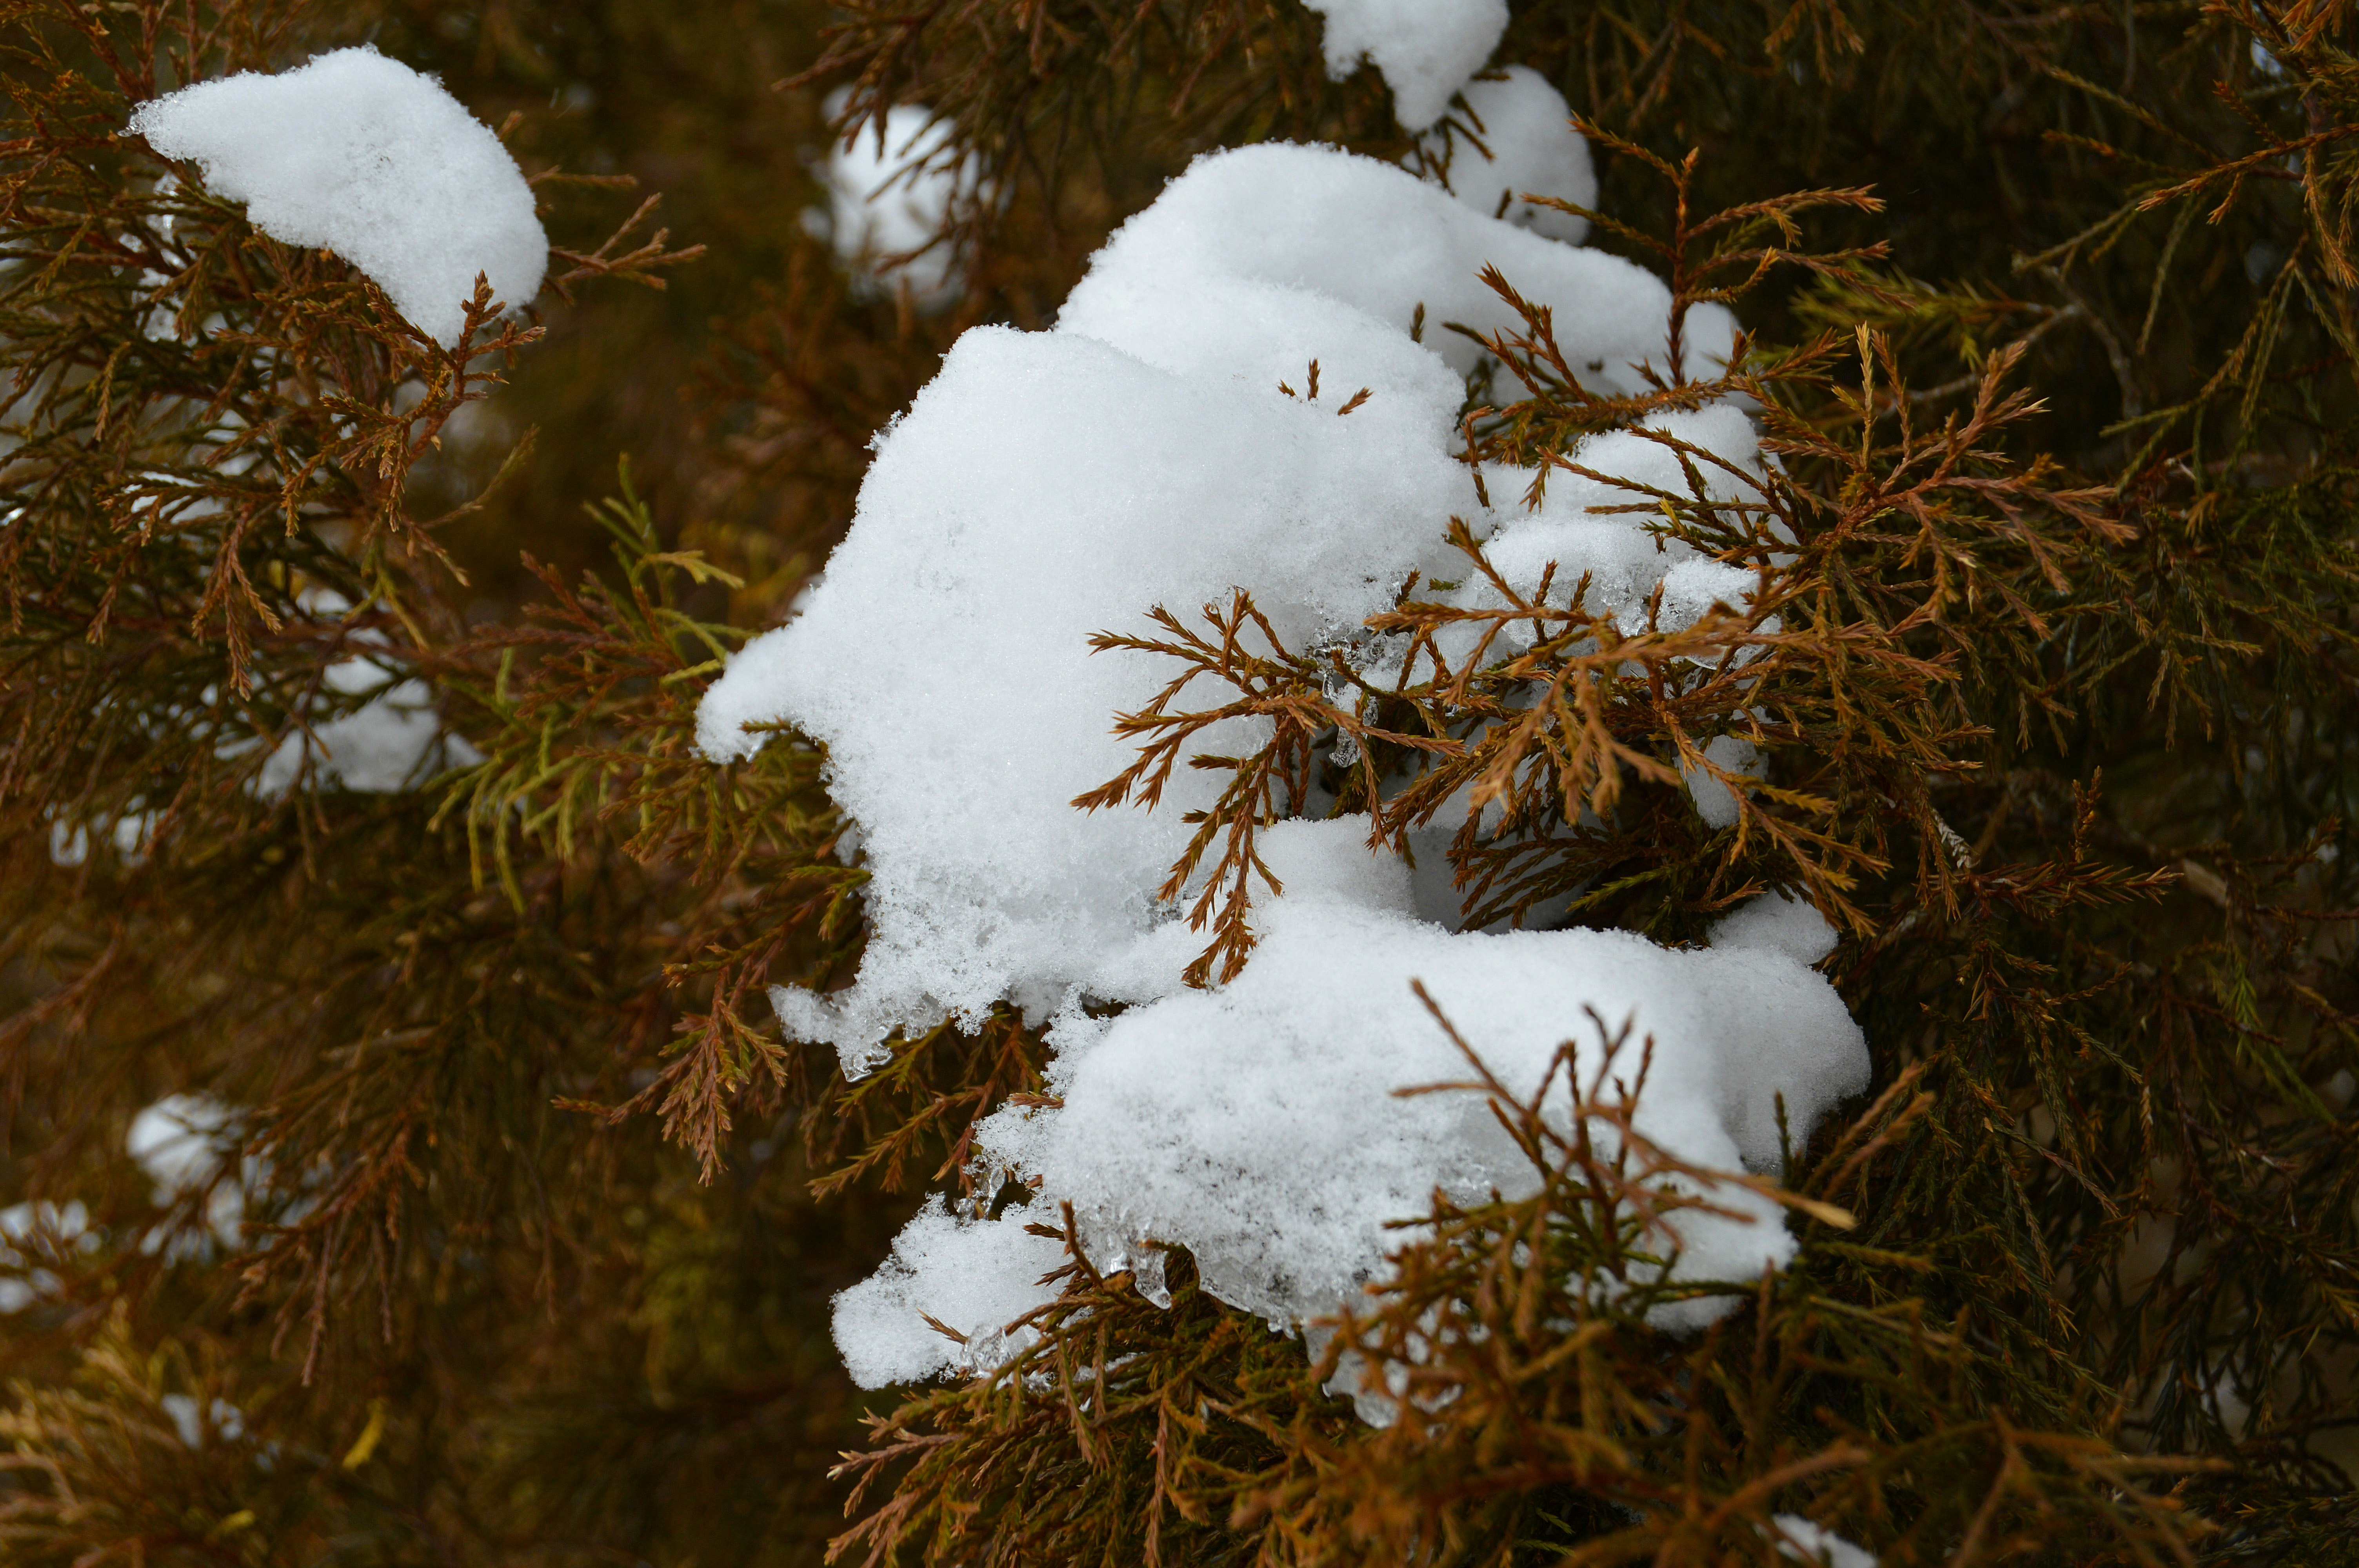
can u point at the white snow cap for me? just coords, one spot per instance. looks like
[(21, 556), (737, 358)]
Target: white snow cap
[(1528, 147), (1427, 49), (360, 155), (1048, 485), (891, 200)]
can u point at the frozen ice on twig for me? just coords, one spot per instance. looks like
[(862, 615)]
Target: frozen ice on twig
[(361, 156)]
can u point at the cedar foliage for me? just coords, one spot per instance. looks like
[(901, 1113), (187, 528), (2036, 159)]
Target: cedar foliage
[(2052, 317)]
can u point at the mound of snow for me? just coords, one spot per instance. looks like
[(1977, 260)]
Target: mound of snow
[(1047, 486), (361, 156), (1257, 1124)]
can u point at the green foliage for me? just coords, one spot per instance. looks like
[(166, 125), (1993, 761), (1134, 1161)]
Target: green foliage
[(2052, 670)]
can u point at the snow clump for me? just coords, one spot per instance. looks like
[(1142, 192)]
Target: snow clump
[(1049, 485), (1426, 49), (361, 156), (1517, 141), (1256, 1125)]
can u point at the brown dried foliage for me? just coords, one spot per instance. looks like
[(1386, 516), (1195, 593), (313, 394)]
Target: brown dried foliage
[(2051, 632)]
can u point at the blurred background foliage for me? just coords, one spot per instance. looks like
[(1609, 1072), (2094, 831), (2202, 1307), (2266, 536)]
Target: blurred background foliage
[(495, 1321)]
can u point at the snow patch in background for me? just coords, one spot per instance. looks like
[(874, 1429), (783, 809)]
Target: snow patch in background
[(1048, 485), (395, 740), (360, 155), (34, 1233), (129, 833), (182, 1142), (1715, 802), (190, 1423), (1814, 1543), (1426, 49), (389, 743), (178, 1143), (890, 197), (392, 742)]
